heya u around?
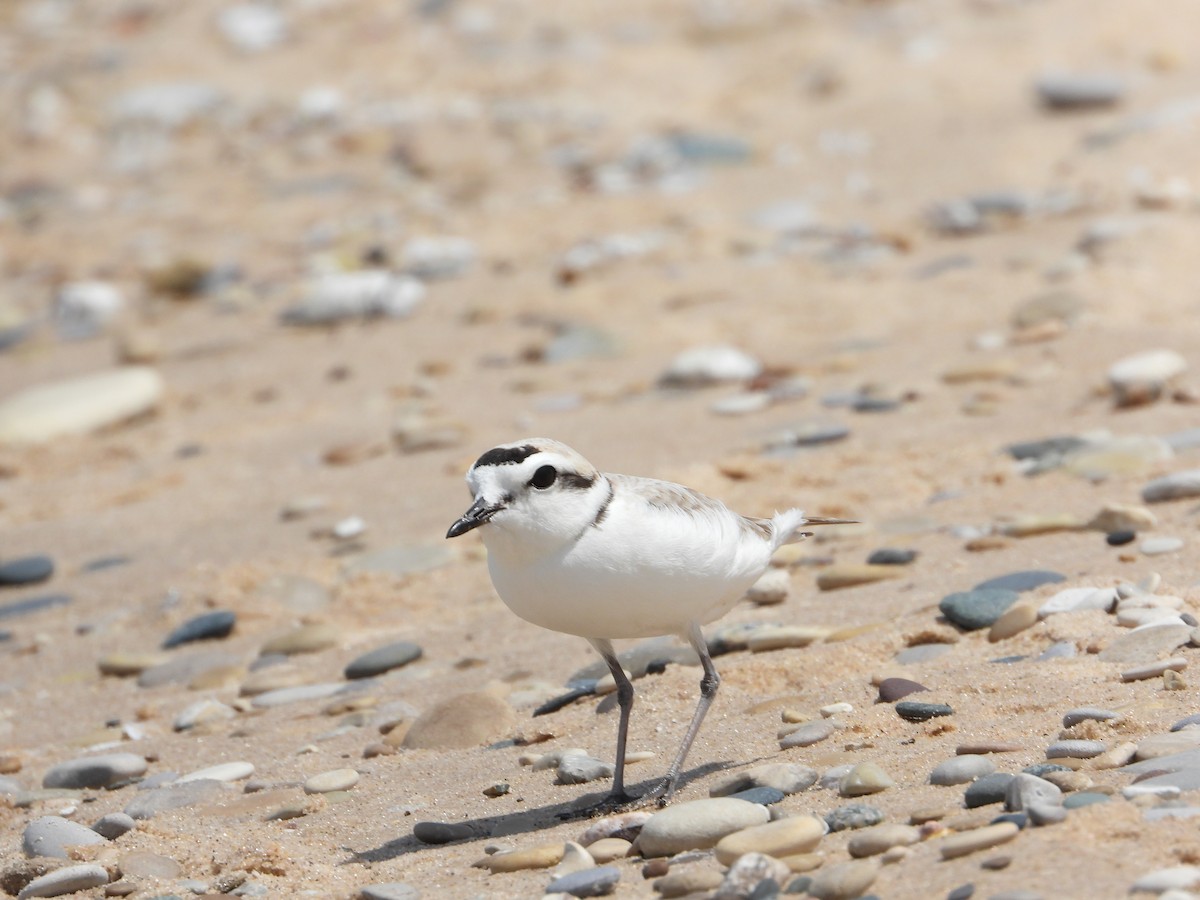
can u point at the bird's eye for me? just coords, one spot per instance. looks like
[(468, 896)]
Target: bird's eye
[(544, 477)]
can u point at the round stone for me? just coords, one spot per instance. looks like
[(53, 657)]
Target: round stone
[(45, 412), (1075, 749), (890, 556), (961, 770), (209, 626), (383, 659), (1016, 619), (1025, 792), (1176, 486), (701, 366), (915, 711), (766, 796), (881, 838), (787, 778), (783, 837), (66, 880), (1088, 713), (1157, 546), (1021, 581), (33, 604), (853, 816), (389, 890), (333, 780), (844, 881), (987, 790), (1070, 90), (113, 825), (95, 771), (26, 570), (1084, 798), (540, 857), (304, 639), (697, 825), (865, 778), (54, 835), (442, 832), (808, 734), (229, 771), (595, 882), (978, 839), (835, 577), (893, 689), (148, 804), (1146, 644), (1120, 538), (144, 864), (1142, 377), (979, 608), (465, 720)]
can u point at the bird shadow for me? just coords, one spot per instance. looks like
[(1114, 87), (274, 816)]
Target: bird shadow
[(529, 820)]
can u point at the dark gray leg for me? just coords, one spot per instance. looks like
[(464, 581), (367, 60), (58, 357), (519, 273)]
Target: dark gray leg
[(625, 702), (708, 690)]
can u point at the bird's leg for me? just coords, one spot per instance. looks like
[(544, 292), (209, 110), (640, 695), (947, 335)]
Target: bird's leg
[(625, 701), (708, 690)]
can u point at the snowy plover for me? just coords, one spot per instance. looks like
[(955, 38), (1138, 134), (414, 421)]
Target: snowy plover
[(615, 556)]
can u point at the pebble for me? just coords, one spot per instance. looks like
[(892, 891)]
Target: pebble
[(445, 832), (32, 605), (26, 570), (1159, 745), (853, 816), (1076, 599), (383, 659), (1157, 546), (1142, 377), (625, 826), (123, 665), (150, 803), (987, 789), (753, 874), (66, 880), (766, 638), (1072, 91), (1017, 618), (83, 309), (389, 890), (95, 771), (311, 638), (1121, 517), (53, 835), (184, 669), (893, 689), (915, 711), (464, 720), (808, 433), (595, 882), (691, 880), (881, 838), (979, 608), (889, 556), (1088, 714), (252, 27), (697, 825), (1084, 798), (224, 772), (144, 864), (961, 770), (113, 825), (578, 768), (808, 734), (1146, 644), (203, 712), (1075, 749), (1177, 486), (844, 881), (541, 857), (703, 366), (444, 256), (783, 837), (771, 589), (206, 627), (865, 778), (1028, 791), (46, 412), (1172, 878), (836, 577), (1154, 669), (609, 849), (764, 796), (333, 780), (1186, 722), (787, 778), (362, 294), (977, 839), (1021, 581), (299, 694)]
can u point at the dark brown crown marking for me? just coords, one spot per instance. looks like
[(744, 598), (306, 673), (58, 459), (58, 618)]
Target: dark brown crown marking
[(506, 456)]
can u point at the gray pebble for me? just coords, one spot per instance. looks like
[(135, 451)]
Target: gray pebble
[(148, 804), (1157, 546), (1021, 581), (209, 626), (1054, 448), (430, 258), (852, 816), (26, 570), (987, 790), (1075, 749), (250, 889), (787, 778), (1068, 91), (383, 659), (1147, 644), (113, 825), (577, 769), (979, 608), (32, 605), (1186, 722), (1058, 650), (67, 880), (360, 294), (185, 668), (915, 711), (1088, 713), (1084, 798), (299, 694), (961, 770), (893, 689), (1177, 486), (921, 653), (597, 882), (442, 832), (1044, 768), (844, 881), (889, 556), (392, 890), (1026, 791), (53, 835), (808, 734), (808, 433), (764, 796), (94, 771)]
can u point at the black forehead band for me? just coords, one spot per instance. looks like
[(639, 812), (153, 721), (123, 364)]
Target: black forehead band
[(506, 456)]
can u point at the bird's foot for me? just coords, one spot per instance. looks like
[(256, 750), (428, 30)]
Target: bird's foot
[(613, 803), (661, 793)]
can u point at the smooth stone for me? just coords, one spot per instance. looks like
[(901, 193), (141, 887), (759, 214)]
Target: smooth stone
[(915, 711), (961, 770), (977, 839), (1076, 599), (383, 659), (1058, 650), (1171, 878), (853, 816), (95, 771), (975, 609), (1118, 517), (209, 626), (893, 689), (1026, 791), (310, 638), (1055, 447), (764, 796), (1088, 714), (273, 676), (299, 694), (184, 669), (783, 837), (753, 874), (77, 406), (808, 734), (430, 257), (1084, 798), (578, 768), (1146, 644), (144, 864), (1186, 722), (1160, 745), (810, 433), (989, 747), (26, 570), (442, 832), (609, 849), (53, 835), (891, 556), (464, 720), (1016, 619), (123, 665), (1021, 581), (223, 772), (389, 890), (203, 712), (32, 605), (780, 637), (113, 825), (836, 577), (706, 365), (1070, 90), (987, 789), (1178, 782), (771, 589), (596, 882), (1176, 486), (741, 404), (844, 881), (697, 825), (333, 780), (687, 882), (361, 294), (66, 880), (576, 858), (1154, 669), (1075, 749), (540, 857), (1157, 546), (1142, 377), (787, 778), (881, 838), (865, 778), (921, 653), (148, 804)]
